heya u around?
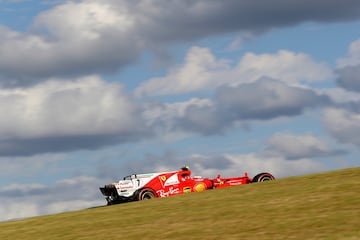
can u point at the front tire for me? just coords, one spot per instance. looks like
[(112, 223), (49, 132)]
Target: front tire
[(146, 194), (262, 177)]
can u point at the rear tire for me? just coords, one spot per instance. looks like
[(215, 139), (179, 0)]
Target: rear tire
[(146, 194), (262, 177), (109, 202)]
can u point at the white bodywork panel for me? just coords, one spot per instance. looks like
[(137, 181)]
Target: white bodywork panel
[(127, 187)]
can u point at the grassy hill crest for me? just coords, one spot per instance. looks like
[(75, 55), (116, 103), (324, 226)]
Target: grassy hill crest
[(316, 206)]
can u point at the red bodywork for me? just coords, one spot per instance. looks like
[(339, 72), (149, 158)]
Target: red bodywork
[(220, 182)]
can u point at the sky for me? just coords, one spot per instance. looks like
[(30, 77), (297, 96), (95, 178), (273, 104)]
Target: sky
[(93, 90)]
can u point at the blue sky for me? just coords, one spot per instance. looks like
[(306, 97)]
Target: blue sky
[(94, 90)]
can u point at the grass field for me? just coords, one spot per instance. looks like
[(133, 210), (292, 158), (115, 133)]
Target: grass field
[(319, 206)]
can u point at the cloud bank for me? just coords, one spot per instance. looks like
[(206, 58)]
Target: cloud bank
[(55, 44)]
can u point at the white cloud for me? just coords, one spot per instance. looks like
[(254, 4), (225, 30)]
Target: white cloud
[(237, 43), (339, 95), (92, 19), (284, 65), (29, 166), (198, 71), (73, 38), (353, 58), (11, 210), (161, 117), (163, 113), (65, 206), (65, 195), (279, 167), (349, 78), (348, 69), (292, 146), (86, 111), (85, 106), (343, 124), (201, 70)]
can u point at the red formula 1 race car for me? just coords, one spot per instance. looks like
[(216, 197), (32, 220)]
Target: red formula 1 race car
[(138, 187)]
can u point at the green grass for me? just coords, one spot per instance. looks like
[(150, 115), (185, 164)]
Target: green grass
[(319, 206)]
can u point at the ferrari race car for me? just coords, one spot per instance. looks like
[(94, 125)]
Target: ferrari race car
[(138, 187)]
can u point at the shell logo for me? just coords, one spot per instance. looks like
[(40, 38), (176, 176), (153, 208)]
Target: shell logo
[(199, 187)]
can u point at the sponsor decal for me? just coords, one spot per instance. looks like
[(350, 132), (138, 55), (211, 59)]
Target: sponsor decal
[(199, 187), (171, 191), (187, 189), (125, 187), (125, 183), (172, 180), (163, 178)]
